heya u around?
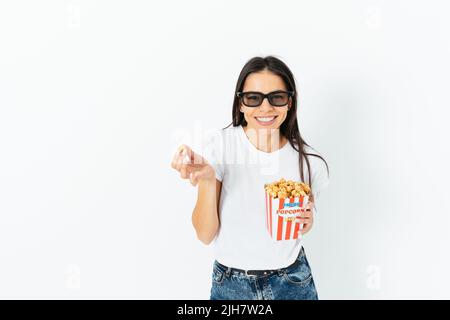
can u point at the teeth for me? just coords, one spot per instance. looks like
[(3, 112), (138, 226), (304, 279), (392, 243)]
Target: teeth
[(265, 119)]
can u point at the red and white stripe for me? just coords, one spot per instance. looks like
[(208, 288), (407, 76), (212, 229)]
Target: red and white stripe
[(278, 226)]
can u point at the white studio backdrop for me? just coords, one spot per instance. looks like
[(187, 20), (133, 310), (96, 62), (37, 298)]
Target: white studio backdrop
[(95, 96)]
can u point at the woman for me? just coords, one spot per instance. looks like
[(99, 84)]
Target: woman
[(262, 145)]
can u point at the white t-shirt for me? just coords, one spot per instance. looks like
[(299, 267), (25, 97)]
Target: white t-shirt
[(243, 240)]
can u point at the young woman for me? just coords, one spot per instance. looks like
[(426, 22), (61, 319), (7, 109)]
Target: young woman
[(262, 145)]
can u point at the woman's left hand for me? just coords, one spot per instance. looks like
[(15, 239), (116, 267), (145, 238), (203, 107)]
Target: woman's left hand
[(306, 217)]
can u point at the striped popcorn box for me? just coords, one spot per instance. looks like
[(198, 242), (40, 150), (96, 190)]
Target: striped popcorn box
[(282, 216)]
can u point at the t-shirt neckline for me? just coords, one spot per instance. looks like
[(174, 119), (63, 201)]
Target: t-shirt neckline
[(251, 146)]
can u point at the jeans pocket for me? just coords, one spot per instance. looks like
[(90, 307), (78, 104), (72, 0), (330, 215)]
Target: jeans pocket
[(300, 275), (218, 275)]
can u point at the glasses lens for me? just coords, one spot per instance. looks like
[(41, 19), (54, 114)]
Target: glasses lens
[(252, 99), (278, 98)]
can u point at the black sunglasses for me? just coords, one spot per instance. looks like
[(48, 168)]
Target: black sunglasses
[(253, 99)]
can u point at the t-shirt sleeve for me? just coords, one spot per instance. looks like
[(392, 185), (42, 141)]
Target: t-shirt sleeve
[(320, 178), (212, 151)]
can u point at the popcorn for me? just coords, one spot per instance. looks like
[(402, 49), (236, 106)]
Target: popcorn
[(287, 189), (285, 201), (186, 158)]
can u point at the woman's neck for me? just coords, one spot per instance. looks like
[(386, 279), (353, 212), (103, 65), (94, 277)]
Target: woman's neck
[(266, 140)]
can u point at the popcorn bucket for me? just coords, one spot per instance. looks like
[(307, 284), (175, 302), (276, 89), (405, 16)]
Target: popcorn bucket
[(282, 216)]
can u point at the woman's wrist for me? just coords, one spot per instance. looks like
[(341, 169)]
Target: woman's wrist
[(209, 178), (207, 182)]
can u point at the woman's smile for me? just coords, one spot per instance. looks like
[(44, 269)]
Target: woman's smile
[(266, 121)]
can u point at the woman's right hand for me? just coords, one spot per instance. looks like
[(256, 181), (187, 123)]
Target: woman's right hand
[(192, 166)]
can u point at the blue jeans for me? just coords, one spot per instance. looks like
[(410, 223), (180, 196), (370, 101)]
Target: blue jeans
[(290, 283)]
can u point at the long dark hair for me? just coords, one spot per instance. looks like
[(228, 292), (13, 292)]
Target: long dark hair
[(289, 127)]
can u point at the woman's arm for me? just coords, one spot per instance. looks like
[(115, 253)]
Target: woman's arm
[(194, 167), (205, 217)]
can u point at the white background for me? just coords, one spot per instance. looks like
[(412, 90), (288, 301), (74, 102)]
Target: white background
[(96, 95)]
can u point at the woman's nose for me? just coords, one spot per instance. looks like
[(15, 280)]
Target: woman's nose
[(265, 105)]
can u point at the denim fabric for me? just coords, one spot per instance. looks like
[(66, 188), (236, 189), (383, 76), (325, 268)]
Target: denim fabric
[(290, 283)]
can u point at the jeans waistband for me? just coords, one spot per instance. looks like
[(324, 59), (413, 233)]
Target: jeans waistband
[(259, 273)]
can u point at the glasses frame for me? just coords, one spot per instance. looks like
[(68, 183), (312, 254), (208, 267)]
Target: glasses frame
[(240, 95)]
